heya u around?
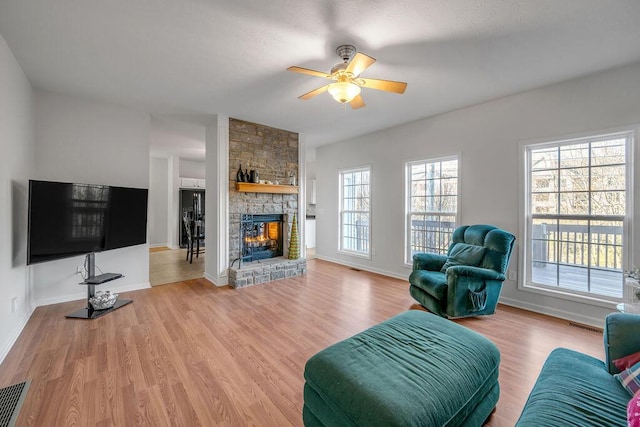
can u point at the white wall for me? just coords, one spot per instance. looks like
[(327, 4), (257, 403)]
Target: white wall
[(16, 167), (92, 143), (173, 194), (192, 169), (158, 226), (487, 137), (217, 200)]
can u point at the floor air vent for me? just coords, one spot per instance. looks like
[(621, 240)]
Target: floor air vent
[(586, 327), (11, 399)]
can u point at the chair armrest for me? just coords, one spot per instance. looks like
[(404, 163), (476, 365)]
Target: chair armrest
[(477, 272), (428, 261), (621, 337)]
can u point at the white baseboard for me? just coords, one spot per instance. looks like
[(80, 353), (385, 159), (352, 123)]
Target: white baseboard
[(6, 347), (163, 245), (83, 294), (561, 314), (222, 281), (365, 268)]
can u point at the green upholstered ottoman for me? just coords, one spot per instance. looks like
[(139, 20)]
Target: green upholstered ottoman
[(415, 369)]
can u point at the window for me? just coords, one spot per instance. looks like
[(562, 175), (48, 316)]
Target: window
[(432, 205), (355, 214), (576, 204)]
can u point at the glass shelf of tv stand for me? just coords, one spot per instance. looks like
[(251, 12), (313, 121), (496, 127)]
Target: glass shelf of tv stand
[(89, 312)]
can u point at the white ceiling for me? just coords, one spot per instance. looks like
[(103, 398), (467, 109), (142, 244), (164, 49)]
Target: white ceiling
[(178, 58)]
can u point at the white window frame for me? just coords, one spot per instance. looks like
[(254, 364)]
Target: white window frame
[(341, 246), (525, 277), (408, 199)]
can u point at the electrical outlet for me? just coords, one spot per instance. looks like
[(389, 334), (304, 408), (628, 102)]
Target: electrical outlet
[(14, 305), (513, 275), (80, 270)]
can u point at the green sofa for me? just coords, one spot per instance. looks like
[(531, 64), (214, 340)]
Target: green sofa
[(575, 389)]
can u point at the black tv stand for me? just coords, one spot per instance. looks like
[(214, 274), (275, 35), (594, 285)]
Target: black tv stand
[(90, 313), (92, 280), (102, 278)]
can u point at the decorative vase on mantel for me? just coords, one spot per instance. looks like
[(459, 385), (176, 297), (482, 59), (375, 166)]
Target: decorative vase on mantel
[(240, 175)]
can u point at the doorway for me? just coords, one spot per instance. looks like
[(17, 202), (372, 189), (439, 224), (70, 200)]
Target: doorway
[(176, 181)]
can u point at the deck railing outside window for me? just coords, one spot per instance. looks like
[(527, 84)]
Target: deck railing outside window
[(577, 204)]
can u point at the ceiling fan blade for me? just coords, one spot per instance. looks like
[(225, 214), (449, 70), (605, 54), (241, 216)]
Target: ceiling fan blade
[(359, 63), (357, 102), (386, 85), (310, 72), (314, 92)]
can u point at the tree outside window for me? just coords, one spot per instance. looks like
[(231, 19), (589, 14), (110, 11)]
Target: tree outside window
[(432, 205), (576, 204), (355, 211)]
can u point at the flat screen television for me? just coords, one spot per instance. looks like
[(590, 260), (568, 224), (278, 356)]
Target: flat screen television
[(67, 220)]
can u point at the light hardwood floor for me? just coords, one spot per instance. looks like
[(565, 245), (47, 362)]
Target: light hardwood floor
[(193, 354), (170, 266)]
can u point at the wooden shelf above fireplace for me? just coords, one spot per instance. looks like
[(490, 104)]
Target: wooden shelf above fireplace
[(248, 187)]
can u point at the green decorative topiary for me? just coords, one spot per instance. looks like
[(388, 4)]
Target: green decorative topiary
[(294, 247)]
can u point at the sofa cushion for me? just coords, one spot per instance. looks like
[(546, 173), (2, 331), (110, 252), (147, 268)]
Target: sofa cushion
[(464, 254), (575, 389), (432, 282), (633, 411), (630, 378), (627, 361)]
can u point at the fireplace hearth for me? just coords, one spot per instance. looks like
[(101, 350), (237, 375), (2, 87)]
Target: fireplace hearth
[(261, 237)]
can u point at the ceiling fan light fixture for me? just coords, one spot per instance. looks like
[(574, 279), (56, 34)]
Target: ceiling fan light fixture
[(346, 78), (344, 92)]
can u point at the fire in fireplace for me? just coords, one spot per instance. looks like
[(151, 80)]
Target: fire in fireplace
[(261, 236)]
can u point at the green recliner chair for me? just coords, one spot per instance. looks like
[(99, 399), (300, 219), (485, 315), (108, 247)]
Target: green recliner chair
[(468, 280)]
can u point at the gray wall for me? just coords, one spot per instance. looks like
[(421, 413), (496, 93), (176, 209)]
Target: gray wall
[(158, 201), (16, 167), (92, 143), (487, 137)]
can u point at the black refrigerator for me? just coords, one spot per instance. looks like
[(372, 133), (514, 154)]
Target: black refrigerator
[(191, 206)]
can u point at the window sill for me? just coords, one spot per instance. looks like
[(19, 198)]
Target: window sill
[(570, 296), (355, 254)]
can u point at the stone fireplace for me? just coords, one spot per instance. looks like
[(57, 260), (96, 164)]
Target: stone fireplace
[(261, 237), (256, 255)]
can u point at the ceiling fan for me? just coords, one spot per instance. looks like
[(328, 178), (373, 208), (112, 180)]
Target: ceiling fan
[(348, 82)]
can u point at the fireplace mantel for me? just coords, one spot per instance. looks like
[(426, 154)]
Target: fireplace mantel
[(248, 187)]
